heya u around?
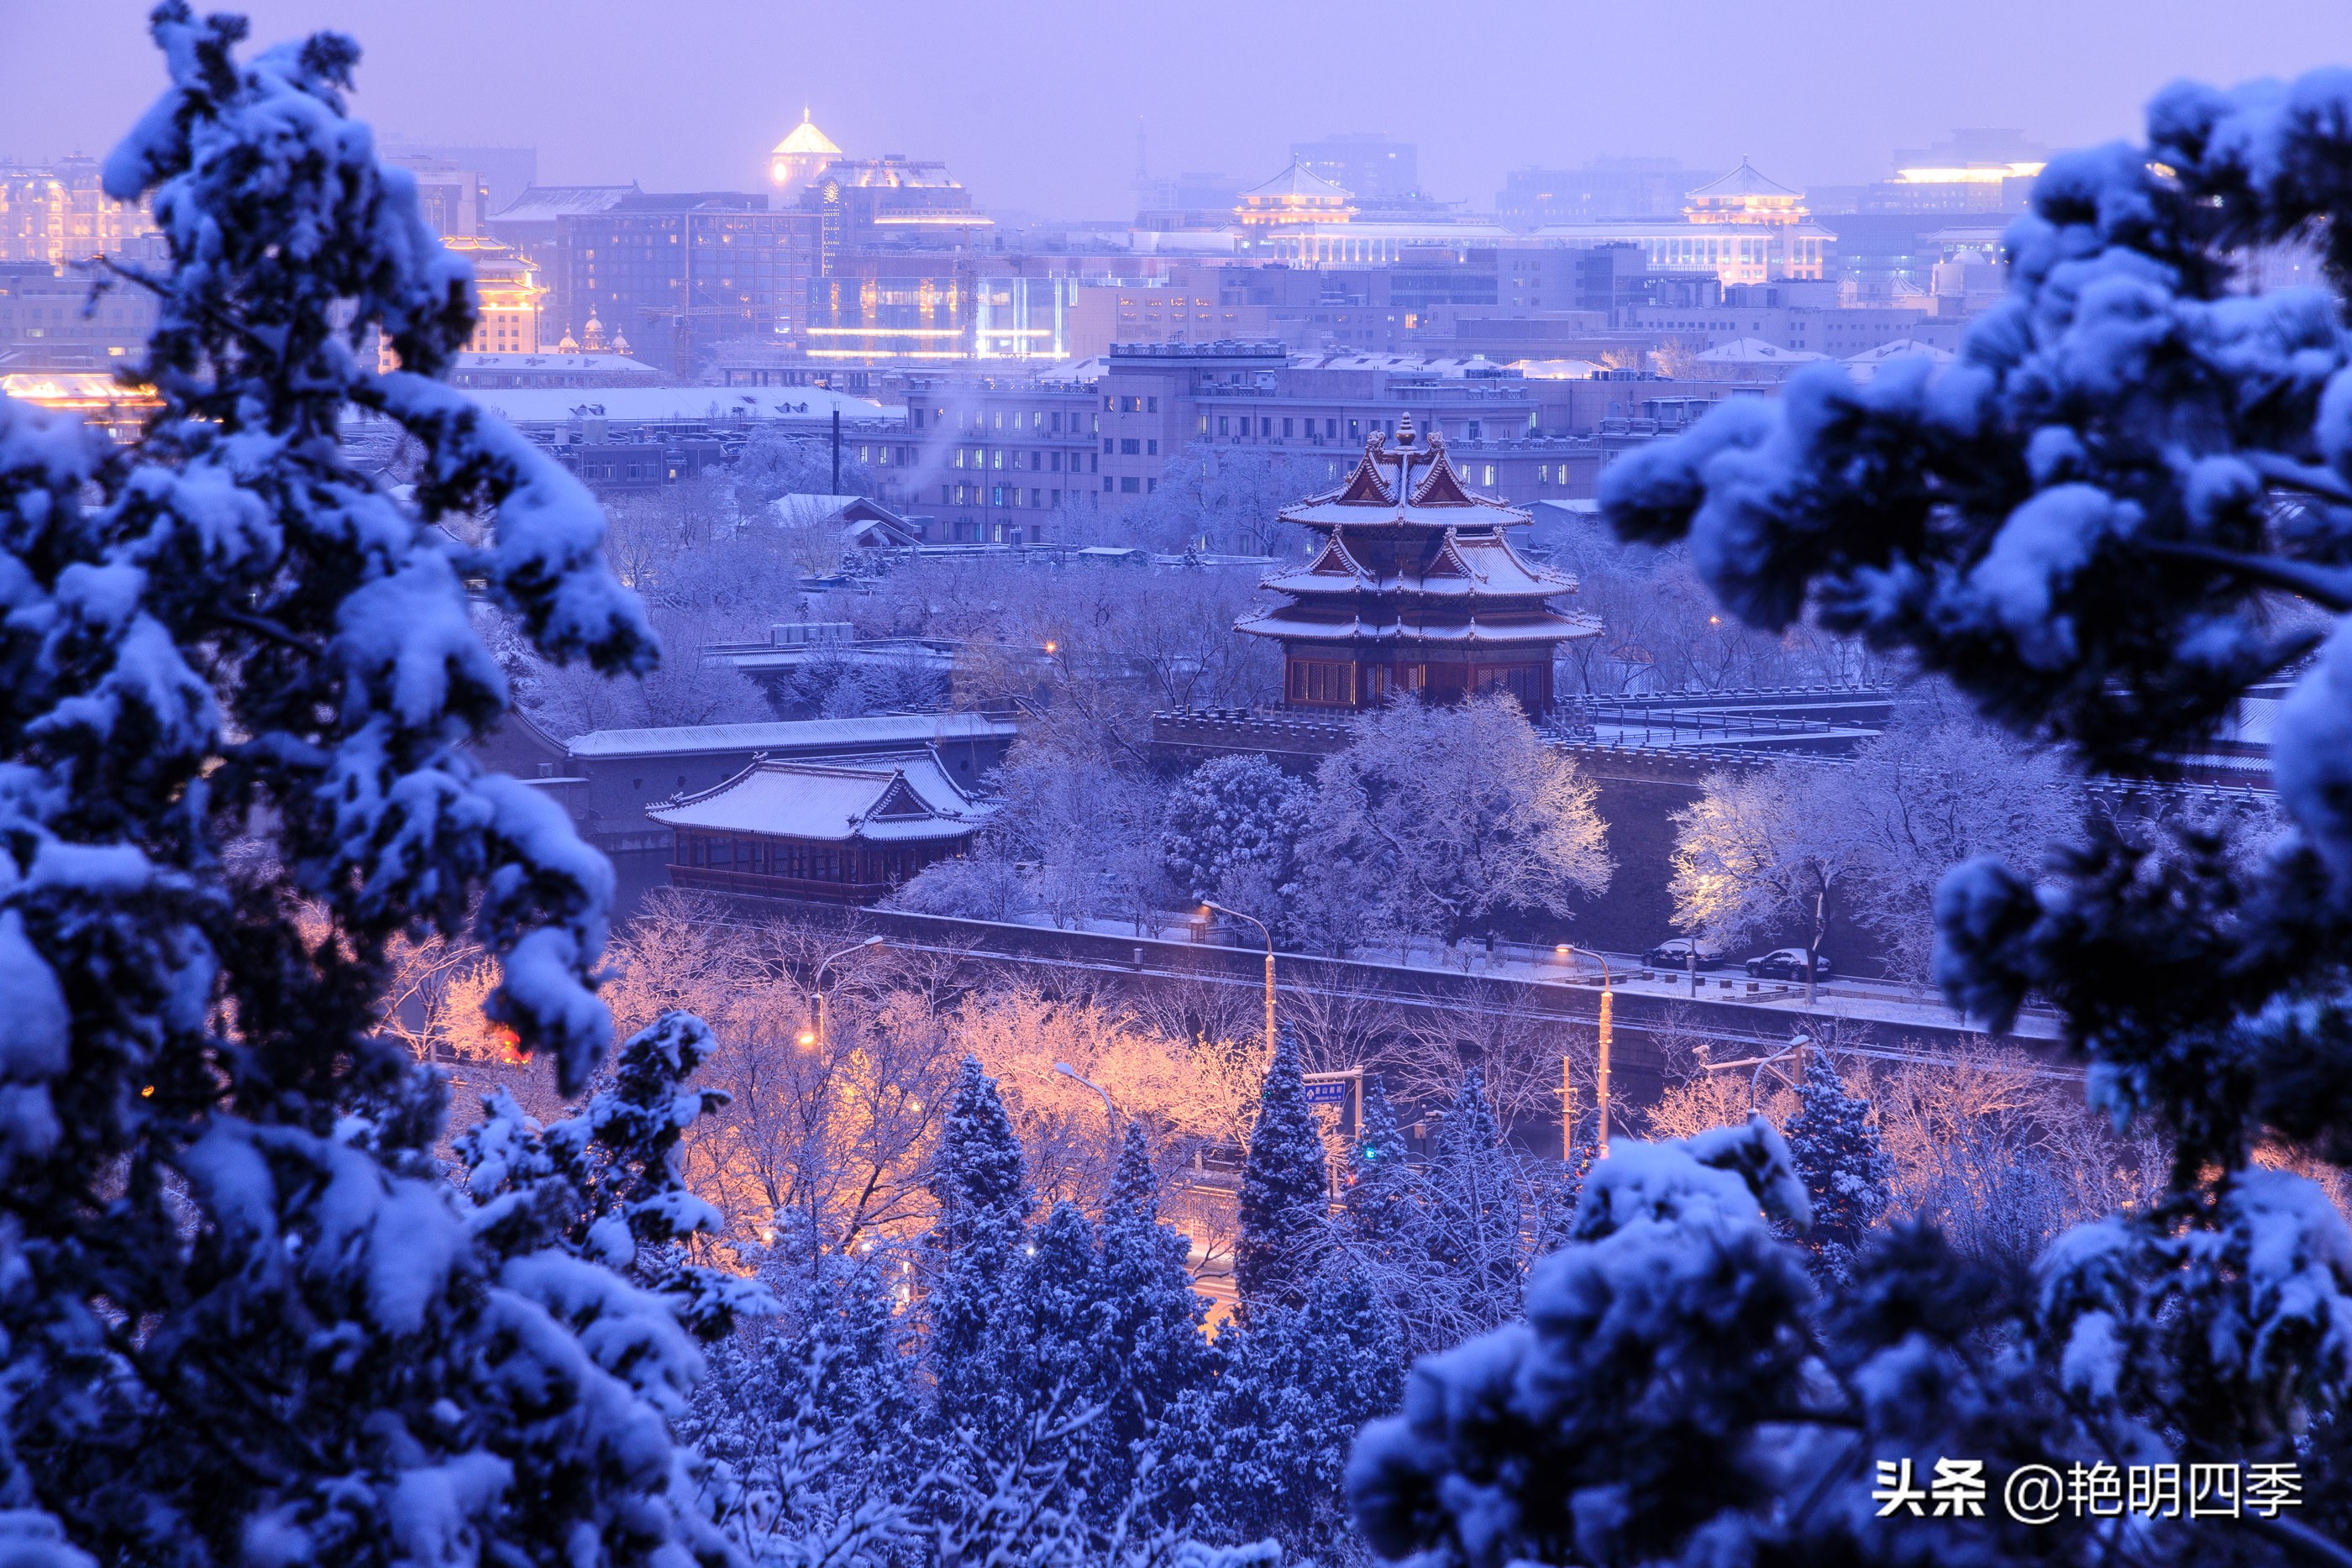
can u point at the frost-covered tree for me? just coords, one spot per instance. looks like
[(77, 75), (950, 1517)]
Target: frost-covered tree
[(1284, 1203), (2127, 501), (1835, 1148), (1437, 818), (603, 1185), (1474, 1213), (245, 1317), (1232, 834), (1382, 1205), (1762, 850), (1769, 849), (1941, 787)]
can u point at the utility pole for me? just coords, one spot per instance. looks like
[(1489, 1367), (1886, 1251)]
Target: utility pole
[(1566, 1115), (837, 451)]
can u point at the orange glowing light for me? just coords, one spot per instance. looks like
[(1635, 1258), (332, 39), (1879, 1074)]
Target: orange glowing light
[(808, 1037)]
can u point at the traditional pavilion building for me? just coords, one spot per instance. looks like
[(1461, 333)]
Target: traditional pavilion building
[(1414, 589), (839, 832), (1297, 196)]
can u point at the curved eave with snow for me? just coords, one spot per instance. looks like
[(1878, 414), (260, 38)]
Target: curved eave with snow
[(1495, 627)]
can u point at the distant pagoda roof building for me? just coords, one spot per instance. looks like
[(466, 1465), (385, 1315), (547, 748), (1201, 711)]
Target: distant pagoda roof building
[(1414, 589), (1744, 196), (800, 158), (1297, 196)]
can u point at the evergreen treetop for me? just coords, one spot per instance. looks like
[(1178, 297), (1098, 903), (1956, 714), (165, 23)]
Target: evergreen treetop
[(1833, 1145), (246, 1317), (1283, 1207)]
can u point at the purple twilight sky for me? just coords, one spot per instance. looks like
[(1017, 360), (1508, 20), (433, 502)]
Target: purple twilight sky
[(1037, 105)]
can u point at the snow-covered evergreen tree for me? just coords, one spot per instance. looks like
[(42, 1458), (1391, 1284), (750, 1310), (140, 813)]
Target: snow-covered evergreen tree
[(1833, 1145), (245, 1319), (2097, 523), (806, 1422), (1284, 1203), (1259, 1451), (1154, 1337), (1053, 1339), (1384, 1206), (974, 1256)]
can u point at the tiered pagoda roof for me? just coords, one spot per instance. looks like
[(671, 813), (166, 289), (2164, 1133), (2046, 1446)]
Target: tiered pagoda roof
[(1408, 557)]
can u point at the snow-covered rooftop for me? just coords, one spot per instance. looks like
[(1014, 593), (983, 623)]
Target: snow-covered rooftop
[(805, 735), (560, 406), (896, 800), (1756, 351)]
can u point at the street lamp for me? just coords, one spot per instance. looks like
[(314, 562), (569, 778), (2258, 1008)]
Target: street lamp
[(1253, 920), (1601, 1078), (816, 986), (1068, 1072)]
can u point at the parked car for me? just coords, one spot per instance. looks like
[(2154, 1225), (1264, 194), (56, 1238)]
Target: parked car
[(1787, 964), (1675, 952)]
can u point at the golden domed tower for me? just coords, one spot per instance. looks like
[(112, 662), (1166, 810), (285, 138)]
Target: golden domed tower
[(798, 158), (592, 336)]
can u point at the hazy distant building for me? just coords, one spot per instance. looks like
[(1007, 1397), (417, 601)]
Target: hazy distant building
[(529, 224), (677, 274), (1742, 227), (506, 172), (49, 323), (892, 201), (1374, 170), (1967, 171), (451, 198), (794, 163), (1604, 188), (1186, 201)]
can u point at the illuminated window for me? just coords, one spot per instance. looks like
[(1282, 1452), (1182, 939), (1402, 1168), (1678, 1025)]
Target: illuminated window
[(1322, 681)]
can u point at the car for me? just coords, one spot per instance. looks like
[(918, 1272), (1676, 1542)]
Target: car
[(1787, 964), (1674, 953)]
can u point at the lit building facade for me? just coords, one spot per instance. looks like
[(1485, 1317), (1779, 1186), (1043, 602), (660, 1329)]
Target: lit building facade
[(60, 214), (1297, 196), (508, 287)]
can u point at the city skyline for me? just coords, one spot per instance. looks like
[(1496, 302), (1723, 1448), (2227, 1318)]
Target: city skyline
[(1027, 115)]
